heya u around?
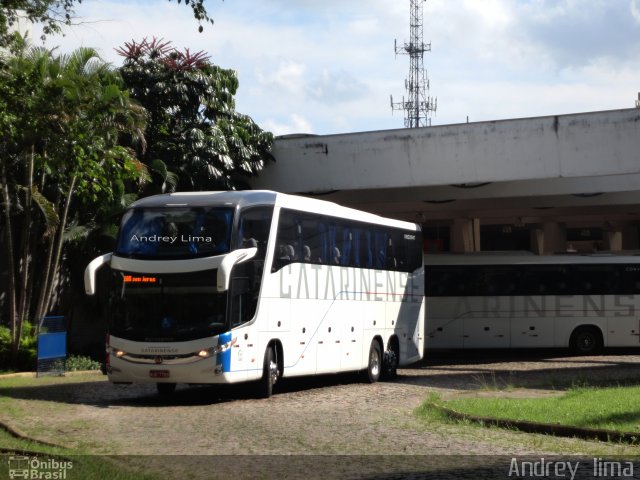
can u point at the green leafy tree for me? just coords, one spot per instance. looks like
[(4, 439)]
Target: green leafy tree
[(61, 158), (196, 139), (53, 14)]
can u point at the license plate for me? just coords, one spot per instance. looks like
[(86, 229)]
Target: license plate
[(159, 373)]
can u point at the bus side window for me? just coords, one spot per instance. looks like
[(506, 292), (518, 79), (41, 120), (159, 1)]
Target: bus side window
[(366, 250), (596, 279), (311, 239), (285, 240), (629, 279), (253, 229)]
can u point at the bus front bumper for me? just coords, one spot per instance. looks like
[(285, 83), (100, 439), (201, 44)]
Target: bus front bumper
[(207, 370)]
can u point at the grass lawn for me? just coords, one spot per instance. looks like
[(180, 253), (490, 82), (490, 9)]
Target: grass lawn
[(85, 466), (612, 408)]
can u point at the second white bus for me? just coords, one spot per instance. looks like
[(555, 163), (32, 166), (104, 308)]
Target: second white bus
[(528, 301)]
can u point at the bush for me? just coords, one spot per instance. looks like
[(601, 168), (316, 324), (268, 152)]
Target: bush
[(28, 348), (77, 362)]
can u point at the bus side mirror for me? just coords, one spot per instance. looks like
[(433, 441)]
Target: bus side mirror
[(90, 273), (231, 259)]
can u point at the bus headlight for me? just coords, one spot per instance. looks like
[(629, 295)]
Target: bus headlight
[(118, 353), (206, 353)]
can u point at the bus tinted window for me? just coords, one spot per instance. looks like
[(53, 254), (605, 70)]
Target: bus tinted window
[(629, 279), (505, 280), (253, 229), (545, 280), (312, 238)]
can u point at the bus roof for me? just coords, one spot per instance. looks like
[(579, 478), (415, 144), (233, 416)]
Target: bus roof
[(524, 259), (243, 198)]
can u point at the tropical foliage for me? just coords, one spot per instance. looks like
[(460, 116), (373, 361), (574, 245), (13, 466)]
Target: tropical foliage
[(196, 139), (62, 124), (79, 141)]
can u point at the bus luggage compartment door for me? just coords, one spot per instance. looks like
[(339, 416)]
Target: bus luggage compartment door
[(481, 331)]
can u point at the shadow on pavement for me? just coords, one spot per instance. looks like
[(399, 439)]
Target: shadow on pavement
[(461, 370)]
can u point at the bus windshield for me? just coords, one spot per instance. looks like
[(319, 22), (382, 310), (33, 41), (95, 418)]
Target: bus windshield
[(167, 307), (175, 232)]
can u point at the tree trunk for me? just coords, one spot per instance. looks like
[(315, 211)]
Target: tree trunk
[(25, 260), (11, 287), (57, 246), (48, 247)]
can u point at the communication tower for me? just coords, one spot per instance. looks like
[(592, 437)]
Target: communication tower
[(419, 105)]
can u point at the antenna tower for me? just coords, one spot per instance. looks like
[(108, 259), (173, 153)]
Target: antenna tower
[(419, 105)]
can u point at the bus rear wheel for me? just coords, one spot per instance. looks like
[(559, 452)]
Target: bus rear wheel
[(390, 364), (586, 341), (269, 374), (374, 367)]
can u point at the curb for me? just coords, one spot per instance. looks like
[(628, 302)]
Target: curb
[(34, 374), (15, 433), (545, 428)]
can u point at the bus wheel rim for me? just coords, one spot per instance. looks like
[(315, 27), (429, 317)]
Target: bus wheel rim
[(273, 372), (374, 360)]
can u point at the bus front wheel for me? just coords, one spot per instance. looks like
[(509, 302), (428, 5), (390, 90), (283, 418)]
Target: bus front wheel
[(586, 341), (269, 374), (375, 362)]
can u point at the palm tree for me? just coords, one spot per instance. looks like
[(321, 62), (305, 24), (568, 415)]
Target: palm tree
[(63, 159)]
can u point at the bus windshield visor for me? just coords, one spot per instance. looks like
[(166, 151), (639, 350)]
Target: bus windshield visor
[(175, 232)]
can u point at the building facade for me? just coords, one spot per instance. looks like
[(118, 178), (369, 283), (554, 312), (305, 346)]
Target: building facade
[(546, 184)]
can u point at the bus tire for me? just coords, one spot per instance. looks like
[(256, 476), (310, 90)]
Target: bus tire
[(390, 364), (374, 367), (165, 389), (586, 341), (269, 374)]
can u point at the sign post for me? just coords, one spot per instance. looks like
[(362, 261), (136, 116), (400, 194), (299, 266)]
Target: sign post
[(52, 347)]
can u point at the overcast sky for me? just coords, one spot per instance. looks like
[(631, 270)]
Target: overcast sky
[(311, 66)]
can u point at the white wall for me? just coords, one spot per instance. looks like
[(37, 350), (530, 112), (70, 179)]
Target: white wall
[(563, 146)]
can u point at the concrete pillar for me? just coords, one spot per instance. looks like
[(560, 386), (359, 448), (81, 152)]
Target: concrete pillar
[(613, 240), (537, 241), (465, 235), (554, 237)]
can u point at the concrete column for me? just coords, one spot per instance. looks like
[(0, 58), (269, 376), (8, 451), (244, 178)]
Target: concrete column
[(537, 241), (465, 235), (613, 240), (554, 237)]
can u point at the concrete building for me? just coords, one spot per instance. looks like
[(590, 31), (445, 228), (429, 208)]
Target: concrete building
[(545, 184)]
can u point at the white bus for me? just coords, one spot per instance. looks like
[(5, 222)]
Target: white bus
[(223, 287), (528, 301)]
